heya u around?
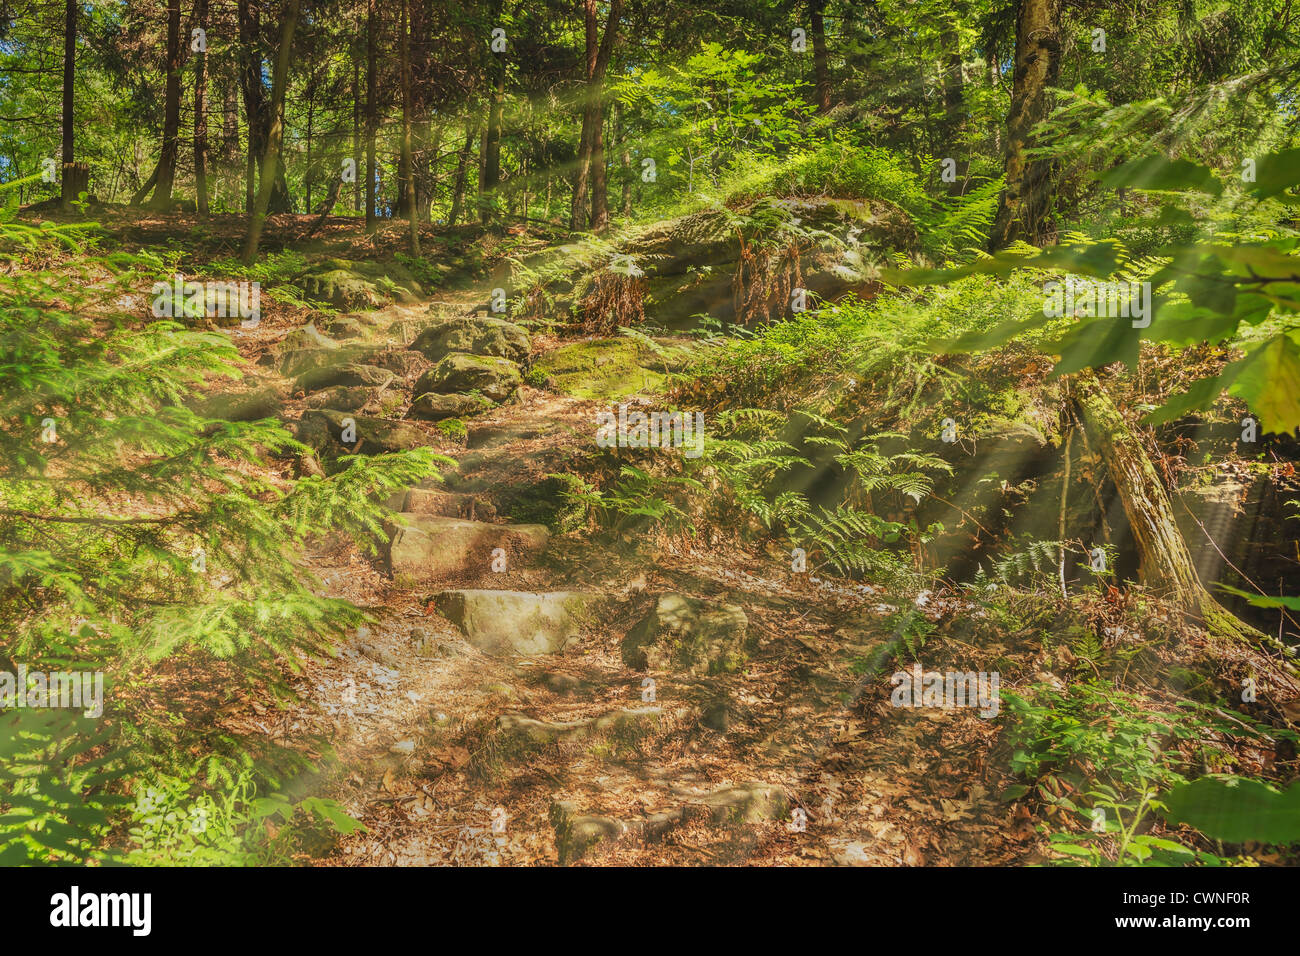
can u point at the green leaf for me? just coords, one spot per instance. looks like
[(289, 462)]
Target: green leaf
[(1275, 173), (1268, 601), (332, 812), (1157, 172), (1269, 382), (1237, 809)]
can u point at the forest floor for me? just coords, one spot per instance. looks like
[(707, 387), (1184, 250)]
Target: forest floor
[(451, 755), (715, 764)]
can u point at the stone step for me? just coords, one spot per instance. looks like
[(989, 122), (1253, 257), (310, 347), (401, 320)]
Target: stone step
[(432, 547), (520, 622), (435, 500)]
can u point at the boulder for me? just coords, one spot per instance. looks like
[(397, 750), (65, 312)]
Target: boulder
[(345, 398), (685, 634), (518, 622), (349, 373), (323, 429), (249, 406), (431, 546), (496, 378), (475, 335), (432, 407)]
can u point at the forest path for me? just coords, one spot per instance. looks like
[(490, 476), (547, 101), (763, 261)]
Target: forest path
[(451, 754)]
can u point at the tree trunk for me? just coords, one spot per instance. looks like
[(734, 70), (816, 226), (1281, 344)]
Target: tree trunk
[(138, 196), (1166, 564), (371, 223), (624, 161), (279, 80), (821, 61), (69, 73), (408, 161), (1026, 200), (200, 113), (162, 194), (462, 174), (492, 151), (327, 204), (356, 134), (591, 146), (250, 82)]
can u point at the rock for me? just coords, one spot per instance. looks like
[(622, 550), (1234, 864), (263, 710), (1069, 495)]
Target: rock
[(449, 504), (307, 337), (576, 834), (747, 803), (323, 430), (430, 546), (345, 398), (496, 378), (406, 365), (685, 634), (605, 370), (342, 289), (432, 407), (232, 406), (302, 361), (518, 622), (477, 336), (346, 374), (347, 327), (403, 747)]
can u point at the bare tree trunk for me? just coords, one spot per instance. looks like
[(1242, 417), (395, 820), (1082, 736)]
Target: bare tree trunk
[(279, 80), (1026, 200), (1166, 564), (371, 223), (408, 161), (491, 178), (462, 174), (69, 73), (200, 113), (591, 145), (356, 134), (821, 61), (624, 161), (250, 81), (162, 194)]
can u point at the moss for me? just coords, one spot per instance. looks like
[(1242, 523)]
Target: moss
[(601, 370), (453, 428)]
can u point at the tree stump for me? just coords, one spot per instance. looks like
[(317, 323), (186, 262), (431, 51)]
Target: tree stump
[(76, 180)]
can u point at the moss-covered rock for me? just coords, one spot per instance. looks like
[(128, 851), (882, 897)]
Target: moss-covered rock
[(600, 370), (350, 373), (238, 406), (353, 286), (495, 378), (433, 407), (475, 335), (327, 429)]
